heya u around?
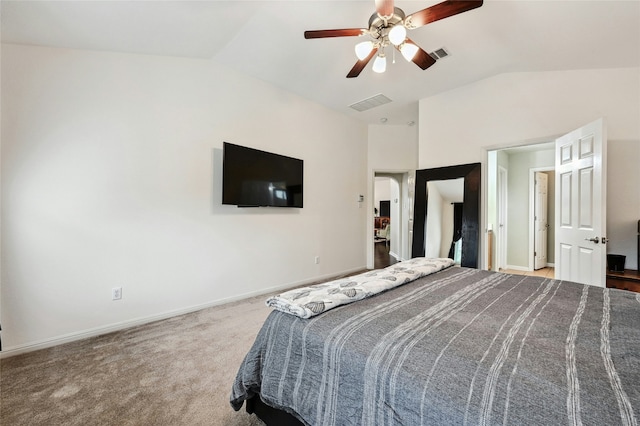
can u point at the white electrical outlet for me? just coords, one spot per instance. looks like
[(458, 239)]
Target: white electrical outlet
[(316, 260), (116, 293)]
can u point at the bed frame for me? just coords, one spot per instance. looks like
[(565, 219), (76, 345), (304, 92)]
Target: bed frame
[(269, 415)]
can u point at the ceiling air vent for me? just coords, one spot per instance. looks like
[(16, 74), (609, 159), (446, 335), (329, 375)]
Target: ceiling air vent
[(440, 53), (371, 102)]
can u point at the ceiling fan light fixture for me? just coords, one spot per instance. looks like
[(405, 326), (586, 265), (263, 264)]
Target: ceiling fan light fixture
[(388, 26), (397, 34), (363, 49), (380, 64), (408, 50)]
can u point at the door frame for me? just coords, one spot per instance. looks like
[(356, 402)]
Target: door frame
[(532, 213), (503, 205)]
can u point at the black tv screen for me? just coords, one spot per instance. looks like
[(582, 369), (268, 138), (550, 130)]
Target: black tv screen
[(254, 178)]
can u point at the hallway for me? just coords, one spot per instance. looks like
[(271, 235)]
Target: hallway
[(381, 256)]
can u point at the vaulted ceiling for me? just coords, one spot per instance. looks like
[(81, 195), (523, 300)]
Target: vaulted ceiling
[(264, 39)]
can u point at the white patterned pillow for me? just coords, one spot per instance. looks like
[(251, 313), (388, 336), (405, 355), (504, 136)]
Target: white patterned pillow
[(306, 302)]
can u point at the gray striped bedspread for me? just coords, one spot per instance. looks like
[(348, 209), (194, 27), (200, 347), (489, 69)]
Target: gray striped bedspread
[(461, 346)]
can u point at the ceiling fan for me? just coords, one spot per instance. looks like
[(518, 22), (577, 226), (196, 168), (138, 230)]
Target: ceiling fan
[(388, 26)]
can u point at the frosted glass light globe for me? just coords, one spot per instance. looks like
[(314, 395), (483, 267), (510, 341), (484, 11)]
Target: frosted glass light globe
[(363, 49), (409, 50), (380, 64), (397, 35)]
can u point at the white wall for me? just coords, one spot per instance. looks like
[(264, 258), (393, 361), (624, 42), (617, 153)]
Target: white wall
[(382, 191), (392, 148), (457, 126), (447, 226), (111, 174), (434, 226)]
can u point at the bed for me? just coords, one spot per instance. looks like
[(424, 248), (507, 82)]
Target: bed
[(453, 346)]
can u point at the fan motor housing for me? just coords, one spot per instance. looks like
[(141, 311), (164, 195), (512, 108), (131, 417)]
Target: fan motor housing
[(379, 26)]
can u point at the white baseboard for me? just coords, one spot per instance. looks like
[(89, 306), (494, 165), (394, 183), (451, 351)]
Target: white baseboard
[(110, 328), (526, 269), (518, 268)]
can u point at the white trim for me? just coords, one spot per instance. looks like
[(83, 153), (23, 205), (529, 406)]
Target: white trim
[(502, 207), (521, 143), (97, 331), (483, 257), (519, 268)]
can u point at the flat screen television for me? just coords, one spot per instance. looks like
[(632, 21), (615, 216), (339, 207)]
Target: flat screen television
[(254, 178)]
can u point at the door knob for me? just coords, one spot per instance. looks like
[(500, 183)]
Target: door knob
[(594, 239)]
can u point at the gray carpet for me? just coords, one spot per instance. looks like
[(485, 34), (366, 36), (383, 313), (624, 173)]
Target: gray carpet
[(177, 371)]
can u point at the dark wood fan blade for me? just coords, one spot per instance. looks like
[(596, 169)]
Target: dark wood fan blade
[(346, 32), (384, 7), (359, 66), (440, 11), (421, 58)]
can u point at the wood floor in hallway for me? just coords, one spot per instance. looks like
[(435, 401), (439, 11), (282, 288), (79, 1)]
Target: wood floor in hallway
[(381, 256), (547, 272)]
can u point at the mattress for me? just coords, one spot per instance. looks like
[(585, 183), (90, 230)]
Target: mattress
[(460, 346)]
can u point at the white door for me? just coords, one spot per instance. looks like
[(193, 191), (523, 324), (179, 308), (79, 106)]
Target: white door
[(541, 224), (501, 235), (581, 205)]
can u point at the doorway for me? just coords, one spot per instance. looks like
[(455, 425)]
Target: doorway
[(579, 160), (510, 209), (384, 187), (388, 241), (542, 217)]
